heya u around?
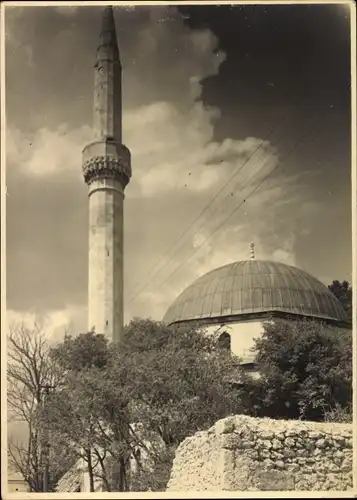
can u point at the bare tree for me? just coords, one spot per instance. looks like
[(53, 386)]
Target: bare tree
[(30, 372)]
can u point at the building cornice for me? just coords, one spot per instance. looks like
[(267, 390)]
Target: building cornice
[(262, 316)]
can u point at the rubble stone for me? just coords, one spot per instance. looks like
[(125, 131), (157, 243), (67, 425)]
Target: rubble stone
[(242, 453)]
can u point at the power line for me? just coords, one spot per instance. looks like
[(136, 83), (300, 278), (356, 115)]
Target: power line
[(236, 209), (250, 174), (197, 218), (203, 211)]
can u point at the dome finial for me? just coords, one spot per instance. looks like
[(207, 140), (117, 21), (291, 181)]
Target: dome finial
[(252, 251)]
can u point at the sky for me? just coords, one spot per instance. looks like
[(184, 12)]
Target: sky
[(238, 121)]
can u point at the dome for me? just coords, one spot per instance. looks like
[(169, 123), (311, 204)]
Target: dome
[(253, 287)]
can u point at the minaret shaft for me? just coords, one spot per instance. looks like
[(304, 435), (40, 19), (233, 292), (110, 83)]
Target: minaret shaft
[(107, 115), (107, 171), (105, 277)]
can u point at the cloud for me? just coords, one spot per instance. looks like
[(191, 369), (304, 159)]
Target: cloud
[(231, 245), (166, 60), (224, 233), (178, 168), (286, 254), (175, 149), (47, 152), (55, 324), (221, 236)]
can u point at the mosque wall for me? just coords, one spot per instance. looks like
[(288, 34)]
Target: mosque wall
[(242, 335), (241, 453)]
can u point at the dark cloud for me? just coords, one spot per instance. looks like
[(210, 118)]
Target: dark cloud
[(195, 110)]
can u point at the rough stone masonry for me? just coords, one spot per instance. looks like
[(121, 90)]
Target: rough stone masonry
[(241, 453)]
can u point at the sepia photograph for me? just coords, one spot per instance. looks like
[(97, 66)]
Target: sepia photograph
[(178, 217)]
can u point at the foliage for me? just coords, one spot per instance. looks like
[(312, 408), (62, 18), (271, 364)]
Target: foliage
[(76, 408), (81, 414), (306, 370), (173, 381), (181, 382), (343, 291), (340, 414), (81, 352), (89, 407)]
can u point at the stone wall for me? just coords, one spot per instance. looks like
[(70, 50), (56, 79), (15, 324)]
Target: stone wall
[(242, 453)]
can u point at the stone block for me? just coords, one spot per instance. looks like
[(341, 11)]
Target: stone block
[(274, 480)]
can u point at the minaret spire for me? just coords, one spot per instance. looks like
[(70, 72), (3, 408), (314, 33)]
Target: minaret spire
[(107, 119), (106, 171), (108, 31)]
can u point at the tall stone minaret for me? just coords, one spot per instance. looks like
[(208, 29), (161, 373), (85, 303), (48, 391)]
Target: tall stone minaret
[(106, 171)]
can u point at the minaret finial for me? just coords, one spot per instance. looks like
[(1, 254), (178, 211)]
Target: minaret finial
[(108, 23), (252, 251)]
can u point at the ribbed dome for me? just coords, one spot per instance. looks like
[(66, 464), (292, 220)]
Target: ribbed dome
[(255, 286)]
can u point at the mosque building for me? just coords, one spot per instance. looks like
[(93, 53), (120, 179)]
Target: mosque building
[(233, 301)]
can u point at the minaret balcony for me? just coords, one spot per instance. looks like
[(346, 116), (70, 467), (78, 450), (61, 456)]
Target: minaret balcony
[(106, 159)]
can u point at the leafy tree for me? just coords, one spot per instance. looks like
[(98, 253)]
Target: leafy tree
[(90, 409), (173, 381), (306, 371), (343, 291), (84, 351), (29, 373), (180, 380), (78, 417)]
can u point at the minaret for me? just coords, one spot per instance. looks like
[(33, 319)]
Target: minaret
[(106, 171)]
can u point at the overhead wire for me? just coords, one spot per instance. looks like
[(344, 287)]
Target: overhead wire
[(207, 206), (221, 209), (250, 174), (220, 226)]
